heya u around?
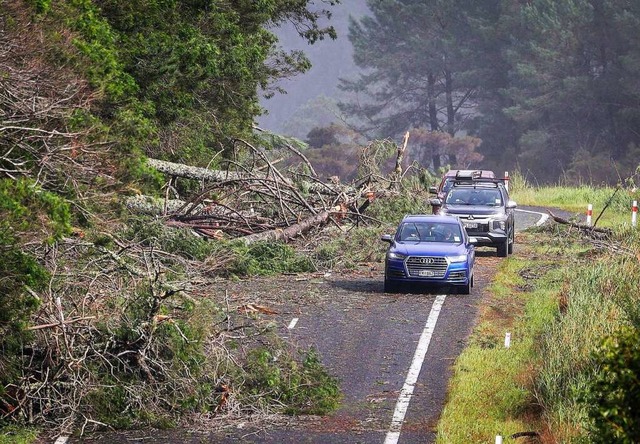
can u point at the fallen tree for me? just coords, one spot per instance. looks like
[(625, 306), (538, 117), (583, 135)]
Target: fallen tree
[(256, 201)]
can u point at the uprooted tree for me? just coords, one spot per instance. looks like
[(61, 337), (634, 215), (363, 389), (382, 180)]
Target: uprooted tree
[(121, 326), (256, 201)]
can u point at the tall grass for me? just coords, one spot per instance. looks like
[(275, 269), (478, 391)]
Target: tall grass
[(559, 299), (600, 298), (576, 199), (491, 392)]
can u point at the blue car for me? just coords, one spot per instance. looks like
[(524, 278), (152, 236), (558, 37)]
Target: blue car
[(429, 250)]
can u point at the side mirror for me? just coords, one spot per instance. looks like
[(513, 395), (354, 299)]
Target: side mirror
[(433, 190), (511, 204), (435, 202), (387, 238)]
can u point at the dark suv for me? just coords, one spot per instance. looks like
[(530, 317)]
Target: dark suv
[(451, 176), (484, 207)]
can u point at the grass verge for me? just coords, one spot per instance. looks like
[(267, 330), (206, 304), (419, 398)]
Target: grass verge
[(576, 199), (561, 297), (491, 392)]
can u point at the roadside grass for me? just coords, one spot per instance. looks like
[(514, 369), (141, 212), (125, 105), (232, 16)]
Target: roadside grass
[(601, 298), (17, 435), (560, 296), (576, 199), (493, 391)]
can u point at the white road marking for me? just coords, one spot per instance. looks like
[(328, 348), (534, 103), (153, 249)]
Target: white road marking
[(412, 377), (543, 217), (62, 440), (293, 323)]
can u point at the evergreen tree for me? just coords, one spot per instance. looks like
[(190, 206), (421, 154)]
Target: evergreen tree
[(418, 71)]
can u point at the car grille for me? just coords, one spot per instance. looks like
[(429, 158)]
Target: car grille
[(481, 228), (418, 266)]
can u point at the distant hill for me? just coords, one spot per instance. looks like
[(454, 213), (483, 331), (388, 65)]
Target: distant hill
[(331, 59)]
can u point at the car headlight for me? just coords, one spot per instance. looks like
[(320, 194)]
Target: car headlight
[(460, 258), (499, 225), (396, 255)]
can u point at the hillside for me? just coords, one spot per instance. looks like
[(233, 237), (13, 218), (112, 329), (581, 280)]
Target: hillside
[(134, 180)]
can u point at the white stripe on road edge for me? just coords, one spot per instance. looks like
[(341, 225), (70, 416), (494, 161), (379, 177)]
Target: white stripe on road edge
[(61, 440), (543, 217), (412, 377), (293, 323)]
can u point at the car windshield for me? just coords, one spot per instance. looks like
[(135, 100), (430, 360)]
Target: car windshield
[(475, 196), (429, 232)]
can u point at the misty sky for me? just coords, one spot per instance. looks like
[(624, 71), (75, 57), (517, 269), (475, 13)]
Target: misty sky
[(331, 60)]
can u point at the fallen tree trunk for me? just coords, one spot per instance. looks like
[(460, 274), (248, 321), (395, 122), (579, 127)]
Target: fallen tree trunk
[(583, 227), (191, 172), (155, 206), (288, 233)]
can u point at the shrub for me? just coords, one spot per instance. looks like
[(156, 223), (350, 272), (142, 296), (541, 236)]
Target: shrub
[(27, 214), (302, 387), (613, 399), (266, 258)]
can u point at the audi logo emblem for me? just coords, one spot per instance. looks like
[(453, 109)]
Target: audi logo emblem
[(426, 260)]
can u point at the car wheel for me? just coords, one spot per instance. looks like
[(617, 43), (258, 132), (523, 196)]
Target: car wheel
[(503, 248), (467, 288), (513, 241)]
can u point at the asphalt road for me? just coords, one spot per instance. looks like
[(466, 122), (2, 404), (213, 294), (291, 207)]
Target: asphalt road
[(392, 354)]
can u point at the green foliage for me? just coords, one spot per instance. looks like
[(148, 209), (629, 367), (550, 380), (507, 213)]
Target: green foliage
[(97, 42), (259, 258), (168, 73), (347, 250), (613, 396), (27, 210), (173, 332), (18, 435), (303, 387), (27, 213), (266, 258), (183, 353), (154, 233), (41, 6), (393, 210), (110, 405)]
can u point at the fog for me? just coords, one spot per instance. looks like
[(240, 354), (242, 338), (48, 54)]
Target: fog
[(310, 96)]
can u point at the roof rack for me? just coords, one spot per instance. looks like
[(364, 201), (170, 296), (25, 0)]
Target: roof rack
[(474, 174), (468, 174), (484, 181)]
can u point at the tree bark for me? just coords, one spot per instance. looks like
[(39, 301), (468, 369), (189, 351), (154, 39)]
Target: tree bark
[(433, 116), (451, 113), (191, 172), (288, 233)]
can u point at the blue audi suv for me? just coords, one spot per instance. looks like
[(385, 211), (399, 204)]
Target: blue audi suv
[(431, 251)]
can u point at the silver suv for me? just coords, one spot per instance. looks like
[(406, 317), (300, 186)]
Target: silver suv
[(485, 210)]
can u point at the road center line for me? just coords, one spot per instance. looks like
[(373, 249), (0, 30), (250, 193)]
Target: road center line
[(412, 376), (293, 323)]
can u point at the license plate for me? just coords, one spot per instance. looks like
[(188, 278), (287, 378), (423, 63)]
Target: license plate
[(426, 273), (471, 225)]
